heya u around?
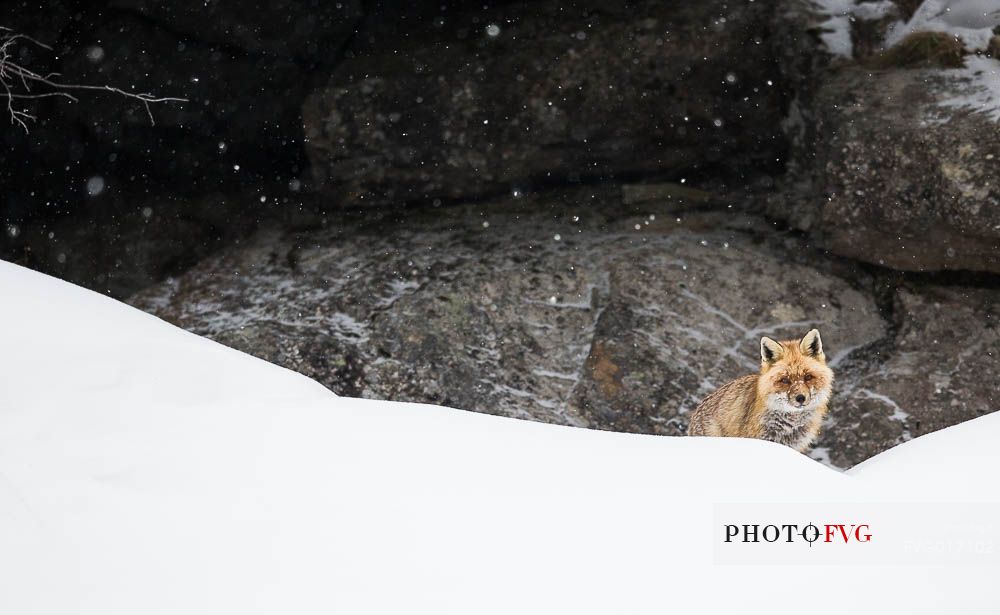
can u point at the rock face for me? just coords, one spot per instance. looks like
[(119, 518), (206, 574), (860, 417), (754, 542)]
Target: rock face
[(686, 314), (552, 308), (904, 167), (484, 102)]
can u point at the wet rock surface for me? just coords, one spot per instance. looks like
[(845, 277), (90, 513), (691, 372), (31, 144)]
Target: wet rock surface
[(549, 308)]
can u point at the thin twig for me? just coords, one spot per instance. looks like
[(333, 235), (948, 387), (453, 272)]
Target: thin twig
[(12, 73)]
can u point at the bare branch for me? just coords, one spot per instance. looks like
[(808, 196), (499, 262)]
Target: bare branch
[(17, 83)]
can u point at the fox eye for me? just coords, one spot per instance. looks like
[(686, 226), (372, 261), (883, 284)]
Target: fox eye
[(807, 377), (785, 380)]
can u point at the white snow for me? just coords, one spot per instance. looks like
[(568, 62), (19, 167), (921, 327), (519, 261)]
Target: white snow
[(146, 470)]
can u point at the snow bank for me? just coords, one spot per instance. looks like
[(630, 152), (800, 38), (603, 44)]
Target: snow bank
[(146, 470)]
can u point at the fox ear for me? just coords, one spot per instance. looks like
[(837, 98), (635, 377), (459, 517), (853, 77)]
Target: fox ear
[(770, 350), (811, 345)]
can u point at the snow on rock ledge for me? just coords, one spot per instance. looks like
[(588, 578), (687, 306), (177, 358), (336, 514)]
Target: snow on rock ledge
[(144, 469)]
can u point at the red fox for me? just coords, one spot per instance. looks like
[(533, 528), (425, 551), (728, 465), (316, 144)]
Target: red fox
[(784, 403)]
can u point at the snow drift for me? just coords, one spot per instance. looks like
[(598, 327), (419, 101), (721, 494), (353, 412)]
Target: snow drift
[(147, 470)]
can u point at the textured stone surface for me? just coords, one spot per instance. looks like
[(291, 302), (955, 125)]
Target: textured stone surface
[(899, 179), (485, 101), (686, 316)]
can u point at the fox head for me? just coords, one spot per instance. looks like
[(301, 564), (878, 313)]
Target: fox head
[(793, 374)]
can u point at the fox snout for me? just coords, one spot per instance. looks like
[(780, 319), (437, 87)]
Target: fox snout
[(798, 398)]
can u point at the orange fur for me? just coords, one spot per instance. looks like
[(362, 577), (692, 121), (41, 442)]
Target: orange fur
[(785, 402)]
